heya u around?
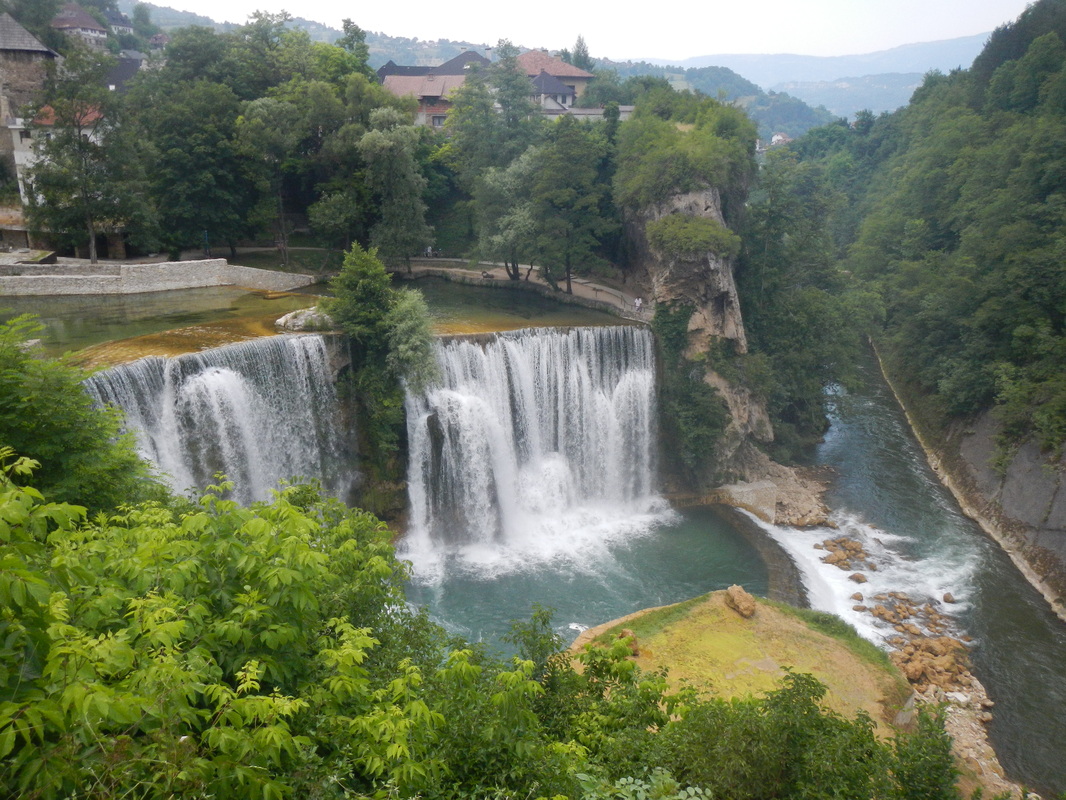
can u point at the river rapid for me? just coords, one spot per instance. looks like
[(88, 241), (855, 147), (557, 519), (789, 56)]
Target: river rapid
[(885, 495)]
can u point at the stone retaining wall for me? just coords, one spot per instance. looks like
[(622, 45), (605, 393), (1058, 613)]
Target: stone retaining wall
[(59, 279)]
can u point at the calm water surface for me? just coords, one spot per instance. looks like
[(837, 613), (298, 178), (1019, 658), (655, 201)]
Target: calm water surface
[(687, 554)]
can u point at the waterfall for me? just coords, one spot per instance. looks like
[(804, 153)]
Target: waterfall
[(259, 411), (533, 442)]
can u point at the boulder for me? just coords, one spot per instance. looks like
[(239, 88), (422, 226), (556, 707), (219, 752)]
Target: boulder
[(740, 601), (306, 319)]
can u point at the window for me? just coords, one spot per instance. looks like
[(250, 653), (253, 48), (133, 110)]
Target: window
[(24, 135), (437, 120)]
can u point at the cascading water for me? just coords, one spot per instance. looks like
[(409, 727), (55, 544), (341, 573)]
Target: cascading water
[(534, 444), (259, 411)]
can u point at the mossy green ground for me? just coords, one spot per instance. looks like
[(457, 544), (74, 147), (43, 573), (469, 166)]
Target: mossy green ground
[(708, 645)]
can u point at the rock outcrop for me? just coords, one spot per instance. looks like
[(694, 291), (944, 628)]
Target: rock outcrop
[(306, 319), (705, 282)]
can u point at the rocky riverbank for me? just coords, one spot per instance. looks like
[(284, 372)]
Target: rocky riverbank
[(1002, 505), (739, 645)]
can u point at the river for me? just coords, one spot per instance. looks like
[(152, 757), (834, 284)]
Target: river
[(885, 495)]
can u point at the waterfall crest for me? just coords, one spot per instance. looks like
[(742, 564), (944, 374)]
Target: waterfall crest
[(259, 411), (531, 441)]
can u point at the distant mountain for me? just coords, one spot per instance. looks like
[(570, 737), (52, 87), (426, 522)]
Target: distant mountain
[(770, 70), (844, 96), (400, 49), (774, 112)]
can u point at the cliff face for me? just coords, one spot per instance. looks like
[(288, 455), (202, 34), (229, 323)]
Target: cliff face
[(1024, 506), (705, 283)]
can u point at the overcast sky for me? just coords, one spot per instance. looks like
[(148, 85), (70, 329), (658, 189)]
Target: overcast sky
[(639, 29)]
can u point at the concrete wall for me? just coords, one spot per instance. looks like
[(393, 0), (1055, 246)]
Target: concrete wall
[(136, 278)]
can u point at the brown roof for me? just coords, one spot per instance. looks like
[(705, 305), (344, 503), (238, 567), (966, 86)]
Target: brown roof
[(423, 85), (47, 116), (536, 61), (14, 37), (74, 16)]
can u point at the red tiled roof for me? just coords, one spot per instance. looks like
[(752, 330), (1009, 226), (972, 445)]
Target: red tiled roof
[(47, 116), (536, 61)]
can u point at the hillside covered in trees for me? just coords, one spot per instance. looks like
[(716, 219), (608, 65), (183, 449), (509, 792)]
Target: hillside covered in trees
[(951, 211)]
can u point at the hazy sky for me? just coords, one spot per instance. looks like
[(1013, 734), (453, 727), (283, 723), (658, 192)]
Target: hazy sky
[(639, 29)]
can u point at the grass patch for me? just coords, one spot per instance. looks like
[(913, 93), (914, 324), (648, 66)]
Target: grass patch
[(704, 643), (652, 623), (843, 632)]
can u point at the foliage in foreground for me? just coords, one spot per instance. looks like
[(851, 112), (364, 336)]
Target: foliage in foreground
[(46, 415), (267, 652)]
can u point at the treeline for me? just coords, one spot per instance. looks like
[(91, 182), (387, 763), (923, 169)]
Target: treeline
[(231, 138), (772, 112), (951, 210)]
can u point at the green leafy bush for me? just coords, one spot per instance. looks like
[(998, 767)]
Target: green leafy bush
[(686, 237), (46, 415)]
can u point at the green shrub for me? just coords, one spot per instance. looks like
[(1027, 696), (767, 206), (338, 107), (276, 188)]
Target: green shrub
[(681, 236)]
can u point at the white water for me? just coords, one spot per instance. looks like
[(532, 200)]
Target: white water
[(925, 579), (536, 445), (260, 412)]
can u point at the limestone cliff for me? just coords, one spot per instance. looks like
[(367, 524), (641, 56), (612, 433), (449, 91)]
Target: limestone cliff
[(704, 281)]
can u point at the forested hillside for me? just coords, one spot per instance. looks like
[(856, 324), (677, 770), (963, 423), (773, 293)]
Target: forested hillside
[(952, 211)]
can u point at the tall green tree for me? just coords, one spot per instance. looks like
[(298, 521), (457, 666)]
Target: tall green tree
[(205, 180), (85, 181), (804, 318), (512, 93), (394, 175), (569, 200), (507, 227), (580, 57)]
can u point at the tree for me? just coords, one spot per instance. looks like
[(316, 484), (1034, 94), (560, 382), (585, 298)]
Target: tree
[(354, 41), (801, 312), (505, 213), (568, 198), (206, 181), (517, 114), (82, 184), (473, 130), (362, 299), (580, 57), (394, 176)]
